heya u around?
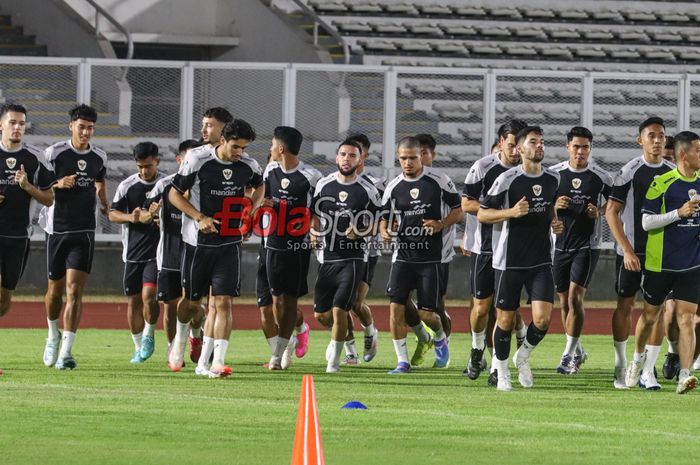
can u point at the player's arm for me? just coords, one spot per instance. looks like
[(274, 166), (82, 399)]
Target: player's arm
[(455, 215), (470, 206), (43, 196), (206, 224), (612, 216), (489, 215)]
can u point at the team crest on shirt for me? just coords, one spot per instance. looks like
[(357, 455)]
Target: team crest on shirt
[(343, 196), (537, 189), (227, 174), (284, 183), (11, 162), (693, 195), (414, 193), (576, 182), (82, 164)]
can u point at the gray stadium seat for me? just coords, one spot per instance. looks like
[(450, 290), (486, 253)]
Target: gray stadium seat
[(382, 45), (598, 35), (485, 49), (521, 50), (389, 28), (689, 55), (592, 52), (666, 36), (557, 52), (637, 36), (492, 31), (659, 55), (415, 46), (528, 33), (328, 6), (401, 8), (674, 17), (639, 16), (624, 54), (425, 29), (451, 47), (564, 34), (365, 7), (537, 13), (435, 9), (459, 30), (427, 88), (607, 15), (352, 26), (473, 11), (573, 15), (505, 13)]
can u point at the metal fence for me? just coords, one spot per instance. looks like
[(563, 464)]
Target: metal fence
[(163, 102)]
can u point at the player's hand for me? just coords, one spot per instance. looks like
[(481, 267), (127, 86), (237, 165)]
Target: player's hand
[(592, 211), (267, 203), (2, 198), (208, 225), (557, 226), (433, 225), (386, 235), (520, 209), (21, 178), (688, 209), (66, 182), (631, 262), (463, 247), (104, 209), (350, 233), (154, 207), (562, 202)]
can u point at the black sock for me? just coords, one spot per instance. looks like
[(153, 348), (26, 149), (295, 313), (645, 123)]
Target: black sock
[(501, 343), (534, 334)]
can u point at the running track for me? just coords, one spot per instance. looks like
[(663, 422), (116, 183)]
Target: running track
[(246, 316)]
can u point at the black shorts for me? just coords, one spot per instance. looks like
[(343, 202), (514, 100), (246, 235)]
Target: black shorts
[(336, 285), (370, 265), (169, 285), (262, 287), (657, 285), (215, 267), (574, 267), (287, 272), (444, 278), (482, 275), (13, 259), (538, 283), (69, 251), (627, 283), (423, 277), (139, 275)]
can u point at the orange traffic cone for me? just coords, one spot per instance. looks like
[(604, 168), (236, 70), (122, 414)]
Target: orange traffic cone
[(308, 449)]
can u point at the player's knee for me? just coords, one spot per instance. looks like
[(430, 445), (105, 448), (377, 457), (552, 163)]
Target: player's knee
[(324, 318), (74, 292), (4, 307)]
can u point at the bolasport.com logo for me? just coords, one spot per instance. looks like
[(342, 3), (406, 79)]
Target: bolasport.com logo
[(338, 225)]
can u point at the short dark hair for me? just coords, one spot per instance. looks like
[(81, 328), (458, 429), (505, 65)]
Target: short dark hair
[(350, 142), (579, 131), (651, 120), (238, 129), (522, 134), (426, 140), (408, 142), (360, 139), (220, 114), (683, 140), (290, 137), (143, 150), (670, 143), (8, 107), (186, 145), (84, 112), (511, 127)]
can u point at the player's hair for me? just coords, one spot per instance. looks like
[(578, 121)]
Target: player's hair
[(522, 134), (238, 129), (361, 139), (426, 140), (408, 142), (651, 120), (683, 141), (493, 146), (290, 137), (670, 143), (186, 145), (221, 114), (579, 131), (511, 127), (15, 107), (83, 112), (143, 150), (350, 142)]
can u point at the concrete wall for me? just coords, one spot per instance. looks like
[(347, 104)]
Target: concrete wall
[(108, 269), (55, 25)]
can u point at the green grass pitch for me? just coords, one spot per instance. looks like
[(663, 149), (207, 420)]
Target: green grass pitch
[(110, 412)]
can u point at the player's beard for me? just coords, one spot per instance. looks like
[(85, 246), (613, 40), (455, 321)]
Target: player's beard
[(348, 172)]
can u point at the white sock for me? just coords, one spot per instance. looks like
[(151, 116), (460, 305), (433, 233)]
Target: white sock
[(478, 340), (637, 357), (207, 350), (672, 346), (490, 349), (571, 344), (149, 329), (369, 330), (220, 348), (420, 331), (440, 335), (137, 340), (303, 327), (181, 332), (652, 356), (282, 344), (620, 353), (53, 329), (579, 347), (272, 342), (350, 348), (401, 350), (336, 348), (195, 332), (522, 332), (66, 344), (684, 373), (501, 366)]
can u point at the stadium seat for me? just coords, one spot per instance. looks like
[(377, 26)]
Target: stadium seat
[(666, 36), (451, 47), (401, 8), (365, 7), (434, 9), (598, 35), (352, 26), (639, 16), (521, 50), (556, 52), (414, 46), (472, 11), (529, 33), (689, 55), (389, 28), (459, 30), (664, 55), (485, 49), (505, 13), (537, 13), (608, 15), (564, 34), (381, 45), (328, 6), (633, 36), (590, 52), (491, 31), (573, 15), (425, 29), (674, 17)]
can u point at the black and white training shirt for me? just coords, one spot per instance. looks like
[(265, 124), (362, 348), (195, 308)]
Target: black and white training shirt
[(525, 242), (73, 209), (16, 211), (169, 252), (409, 201), (210, 180), (339, 205), (375, 244)]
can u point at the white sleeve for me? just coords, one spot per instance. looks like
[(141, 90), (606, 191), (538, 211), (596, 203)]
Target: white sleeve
[(650, 221)]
